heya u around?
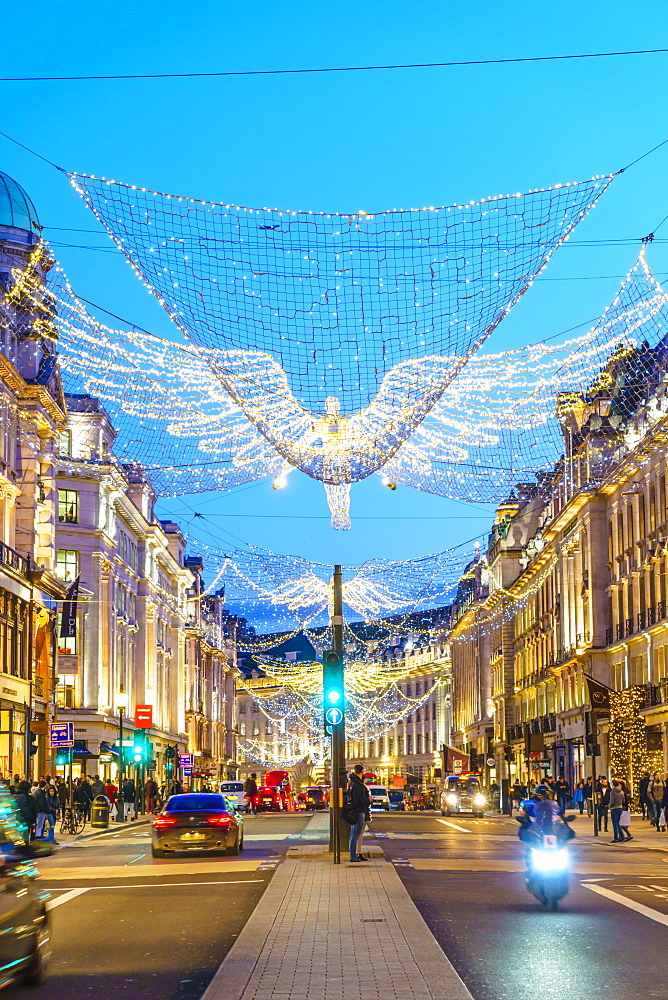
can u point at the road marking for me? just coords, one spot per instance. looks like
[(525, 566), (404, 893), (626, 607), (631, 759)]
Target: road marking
[(169, 885), (66, 896), (455, 826), (138, 858), (646, 911)]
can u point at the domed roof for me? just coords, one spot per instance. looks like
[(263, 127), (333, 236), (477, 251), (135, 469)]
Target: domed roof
[(16, 208)]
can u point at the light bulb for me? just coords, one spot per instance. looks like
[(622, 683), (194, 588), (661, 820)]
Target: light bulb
[(279, 482)]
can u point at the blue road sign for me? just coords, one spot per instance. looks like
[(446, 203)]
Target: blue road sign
[(61, 734), (333, 715)]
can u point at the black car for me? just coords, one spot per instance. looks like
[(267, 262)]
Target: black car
[(197, 821), (25, 939)]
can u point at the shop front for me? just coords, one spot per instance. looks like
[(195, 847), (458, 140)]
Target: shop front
[(14, 725)]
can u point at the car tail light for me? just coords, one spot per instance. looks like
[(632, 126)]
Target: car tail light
[(219, 820), (164, 821)]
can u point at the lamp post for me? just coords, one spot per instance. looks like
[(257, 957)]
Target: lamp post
[(122, 704)]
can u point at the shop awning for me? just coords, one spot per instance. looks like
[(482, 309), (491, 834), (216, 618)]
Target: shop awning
[(81, 750), (105, 748)]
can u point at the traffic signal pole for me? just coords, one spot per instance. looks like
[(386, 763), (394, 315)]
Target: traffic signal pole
[(338, 760)]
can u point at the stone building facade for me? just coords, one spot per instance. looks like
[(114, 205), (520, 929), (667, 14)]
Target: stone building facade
[(32, 413), (575, 571)]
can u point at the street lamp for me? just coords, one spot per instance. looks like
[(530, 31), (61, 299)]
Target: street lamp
[(122, 703)]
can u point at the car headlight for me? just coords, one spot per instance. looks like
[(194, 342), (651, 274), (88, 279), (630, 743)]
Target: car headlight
[(479, 800), (451, 799), (549, 861)]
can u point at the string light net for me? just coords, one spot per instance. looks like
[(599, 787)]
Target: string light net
[(507, 418), (336, 334)]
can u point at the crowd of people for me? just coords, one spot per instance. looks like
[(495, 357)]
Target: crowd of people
[(42, 802), (611, 798)]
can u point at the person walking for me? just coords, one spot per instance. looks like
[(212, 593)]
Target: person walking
[(603, 790), (616, 808), (98, 786), (589, 796), (519, 794), (655, 792), (625, 818), (111, 791), (359, 803), (151, 795), (129, 794), (42, 807), (26, 806), (250, 793), (562, 790), (53, 811), (579, 796), (642, 792)]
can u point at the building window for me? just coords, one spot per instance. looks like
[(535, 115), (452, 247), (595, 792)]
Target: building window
[(256, 729), (242, 727), (68, 506), (409, 744), (390, 745), (67, 564), (68, 646), (66, 692), (401, 746), (65, 443), (418, 744)]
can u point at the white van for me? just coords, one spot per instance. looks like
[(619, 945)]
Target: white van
[(234, 790), (379, 797)]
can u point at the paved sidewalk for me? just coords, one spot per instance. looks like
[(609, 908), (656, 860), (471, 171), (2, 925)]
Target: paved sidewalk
[(344, 932)]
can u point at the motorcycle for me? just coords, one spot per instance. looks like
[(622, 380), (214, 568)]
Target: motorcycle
[(548, 863)]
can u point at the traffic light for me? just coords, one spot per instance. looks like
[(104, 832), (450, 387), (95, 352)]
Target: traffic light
[(61, 760), (333, 694), (170, 753), (509, 754), (138, 753), (592, 749), (33, 744)]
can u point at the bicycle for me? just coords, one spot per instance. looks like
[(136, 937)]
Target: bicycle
[(73, 819)]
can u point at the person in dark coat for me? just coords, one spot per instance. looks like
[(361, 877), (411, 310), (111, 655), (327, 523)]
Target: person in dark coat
[(603, 789), (129, 796), (27, 806), (562, 790), (589, 796), (360, 803), (642, 792)]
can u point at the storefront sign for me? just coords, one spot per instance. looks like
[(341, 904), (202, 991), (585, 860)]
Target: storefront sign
[(186, 760)]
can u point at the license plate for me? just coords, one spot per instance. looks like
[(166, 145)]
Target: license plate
[(267, 800), (192, 836)]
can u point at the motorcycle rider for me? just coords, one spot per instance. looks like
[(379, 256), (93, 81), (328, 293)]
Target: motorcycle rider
[(540, 817)]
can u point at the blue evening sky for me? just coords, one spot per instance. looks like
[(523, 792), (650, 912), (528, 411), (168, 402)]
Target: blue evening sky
[(343, 142)]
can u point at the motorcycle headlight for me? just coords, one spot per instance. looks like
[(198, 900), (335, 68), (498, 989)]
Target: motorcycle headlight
[(549, 861), (479, 800), (451, 799)]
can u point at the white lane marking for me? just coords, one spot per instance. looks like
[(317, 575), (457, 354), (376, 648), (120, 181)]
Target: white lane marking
[(66, 896), (646, 911), (455, 826), (150, 885)]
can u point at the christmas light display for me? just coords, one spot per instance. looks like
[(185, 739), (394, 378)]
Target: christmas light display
[(627, 738), (336, 334)]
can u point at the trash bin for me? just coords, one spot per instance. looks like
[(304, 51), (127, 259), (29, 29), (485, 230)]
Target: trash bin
[(100, 812)]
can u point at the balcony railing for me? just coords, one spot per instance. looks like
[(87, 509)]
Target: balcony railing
[(631, 626), (12, 560)]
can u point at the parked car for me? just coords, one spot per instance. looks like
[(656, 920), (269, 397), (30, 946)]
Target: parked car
[(379, 797), (24, 922), (234, 790), (197, 821)]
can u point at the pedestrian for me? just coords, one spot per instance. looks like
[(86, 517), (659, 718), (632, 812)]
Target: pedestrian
[(579, 796), (42, 807), (642, 792), (359, 807), (61, 791), (150, 795), (655, 792), (82, 796), (625, 818), (53, 811), (175, 788), (562, 790), (26, 806), (518, 794), (250, 793), (617, 799), (97, 786), (129, 796), (110, 790), (603, 791), (589, 796)]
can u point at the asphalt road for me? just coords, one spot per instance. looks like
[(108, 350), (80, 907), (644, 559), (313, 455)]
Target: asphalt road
[(125, 925), (466, 879)]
